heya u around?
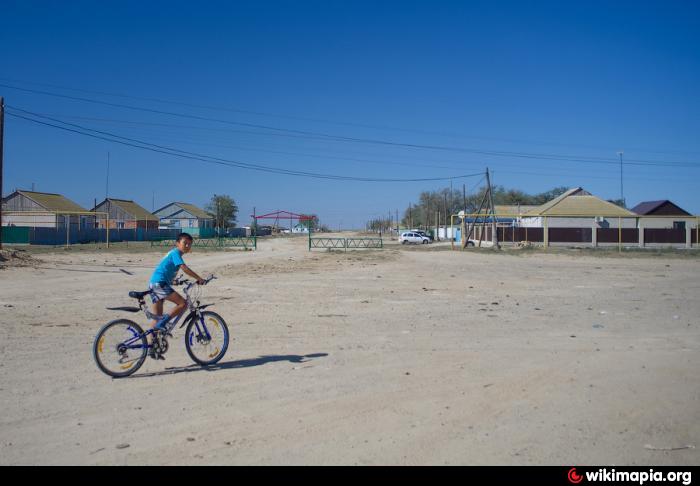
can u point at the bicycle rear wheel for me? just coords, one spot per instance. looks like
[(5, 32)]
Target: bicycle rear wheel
[(206, 338), (120, 348)]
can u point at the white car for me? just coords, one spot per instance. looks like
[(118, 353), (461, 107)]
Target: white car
[(410, 237)]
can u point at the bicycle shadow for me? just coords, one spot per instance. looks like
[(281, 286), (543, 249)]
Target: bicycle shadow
[(243, 363)]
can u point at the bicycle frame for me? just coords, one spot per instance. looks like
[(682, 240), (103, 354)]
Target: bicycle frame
[(194, 308)]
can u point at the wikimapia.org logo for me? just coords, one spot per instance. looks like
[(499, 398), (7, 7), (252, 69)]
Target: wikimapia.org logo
[(574, 477), (684, 477)]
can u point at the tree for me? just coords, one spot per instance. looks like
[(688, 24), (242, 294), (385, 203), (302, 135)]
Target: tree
[(618, 202), (429, 203), (379, 225), (224, 210), (310, 221), (254, 227)]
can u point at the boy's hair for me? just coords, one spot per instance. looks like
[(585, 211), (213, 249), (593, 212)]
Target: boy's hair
[(182, 236)]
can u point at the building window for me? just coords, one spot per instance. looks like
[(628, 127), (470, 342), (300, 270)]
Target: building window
[(679, 225)]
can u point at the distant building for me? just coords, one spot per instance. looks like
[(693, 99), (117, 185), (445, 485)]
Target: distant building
[(186, 217), (514, 210), (674, 216), (659, 208), (300, 228), (125, 214), (44, 210), (577, 208)]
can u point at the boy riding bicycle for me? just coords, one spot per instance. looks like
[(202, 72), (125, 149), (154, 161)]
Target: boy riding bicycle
[(163, 277)]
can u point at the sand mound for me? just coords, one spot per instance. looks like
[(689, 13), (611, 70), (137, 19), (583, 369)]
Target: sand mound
[(16, 258)]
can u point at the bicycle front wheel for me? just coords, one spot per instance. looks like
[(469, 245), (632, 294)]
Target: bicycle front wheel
[(120, 348), (206, 338)]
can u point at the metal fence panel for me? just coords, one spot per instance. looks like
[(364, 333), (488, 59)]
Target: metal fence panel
[(653, 235), (327, 243), (364, 243), (612, 235), (15, 235)]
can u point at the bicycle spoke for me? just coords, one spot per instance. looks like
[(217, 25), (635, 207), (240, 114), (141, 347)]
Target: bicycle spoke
[(120, 348), (207, 339)]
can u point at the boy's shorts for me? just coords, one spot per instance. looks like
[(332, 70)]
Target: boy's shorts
[(160, 291)]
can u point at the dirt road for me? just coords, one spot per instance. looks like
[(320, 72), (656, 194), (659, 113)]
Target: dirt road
[(394, 356)]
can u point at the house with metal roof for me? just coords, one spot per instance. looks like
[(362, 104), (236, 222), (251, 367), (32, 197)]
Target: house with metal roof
[(125, 214), (659, 208), (186, 217), (513, 210), (44, 210), (578, 208), (664, 214)]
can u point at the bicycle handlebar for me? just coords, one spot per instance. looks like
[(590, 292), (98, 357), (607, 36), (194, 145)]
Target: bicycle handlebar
[(185, 281)]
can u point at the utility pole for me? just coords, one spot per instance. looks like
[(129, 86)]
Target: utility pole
[(109, 205), (107, 184), (622, 193), (494, 235), (2, 134), (446, 208), (464, 197)]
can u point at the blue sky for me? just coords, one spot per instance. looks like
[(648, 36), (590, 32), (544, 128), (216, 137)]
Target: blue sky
[(553, 81)]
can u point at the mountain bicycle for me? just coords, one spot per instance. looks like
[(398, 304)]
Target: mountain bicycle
[(121, 346)]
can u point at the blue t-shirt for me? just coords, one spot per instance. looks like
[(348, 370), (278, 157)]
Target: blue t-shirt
[(167, 268)]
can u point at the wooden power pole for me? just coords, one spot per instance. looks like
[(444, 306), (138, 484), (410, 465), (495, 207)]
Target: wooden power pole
[(494, 235)]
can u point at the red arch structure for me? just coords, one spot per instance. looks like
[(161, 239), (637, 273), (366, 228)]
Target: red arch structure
[(283, 215)]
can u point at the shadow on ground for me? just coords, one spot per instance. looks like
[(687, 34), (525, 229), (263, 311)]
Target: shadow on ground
[(243, 363)]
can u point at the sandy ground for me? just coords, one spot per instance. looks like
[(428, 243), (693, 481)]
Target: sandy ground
[(395, 356)]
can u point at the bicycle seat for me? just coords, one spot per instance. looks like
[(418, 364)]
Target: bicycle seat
[(139, 295)]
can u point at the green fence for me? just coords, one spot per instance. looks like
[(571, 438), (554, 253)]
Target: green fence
[(249, 242), (345, 243), (15, 235)]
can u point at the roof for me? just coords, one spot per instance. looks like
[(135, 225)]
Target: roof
[(649, 207), (578, 202), (133, 209), (55, 203), (194, 210), (513, 210)]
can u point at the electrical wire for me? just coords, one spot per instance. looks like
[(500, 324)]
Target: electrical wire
[(205, 158)]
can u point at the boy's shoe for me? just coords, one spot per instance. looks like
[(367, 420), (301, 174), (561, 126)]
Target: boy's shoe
[(155, 356), (161, 325)]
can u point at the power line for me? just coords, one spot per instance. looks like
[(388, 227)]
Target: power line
[(335, 122), (588, 176), (238, 147), (323, 156), (339, 138), (205, 158), (234, 110)]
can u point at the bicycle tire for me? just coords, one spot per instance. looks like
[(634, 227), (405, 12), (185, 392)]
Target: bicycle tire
[(191, 336), (128, 368)]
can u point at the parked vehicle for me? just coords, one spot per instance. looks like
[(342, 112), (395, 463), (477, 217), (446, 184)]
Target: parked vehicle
[(423, 233), (413, 237)]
